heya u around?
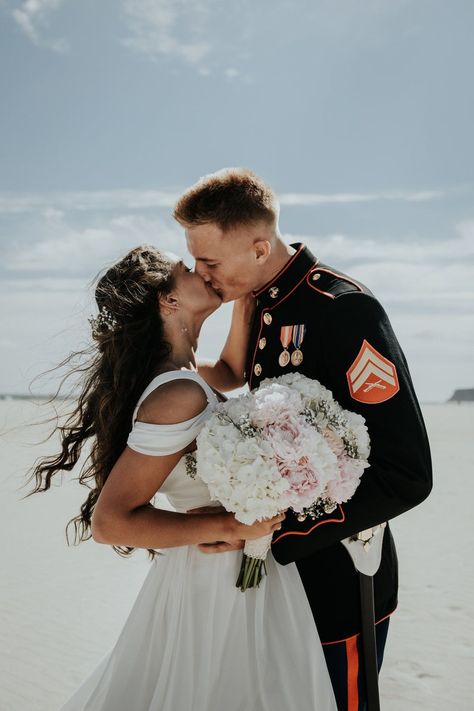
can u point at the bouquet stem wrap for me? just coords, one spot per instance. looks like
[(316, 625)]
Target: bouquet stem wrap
[(253, 562)]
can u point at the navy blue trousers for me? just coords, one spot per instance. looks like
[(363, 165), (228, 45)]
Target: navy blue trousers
[(345, 665)]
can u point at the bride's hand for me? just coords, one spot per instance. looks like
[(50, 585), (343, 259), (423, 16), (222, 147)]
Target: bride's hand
[(256, 530), (259, 528), (238, 532), (221, 546), (241, 531), (217, 546)]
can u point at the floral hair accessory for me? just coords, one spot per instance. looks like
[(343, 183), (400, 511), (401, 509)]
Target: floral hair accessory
[(104, 321)]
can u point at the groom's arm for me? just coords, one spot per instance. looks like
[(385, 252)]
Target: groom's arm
[(365, 369), (227, 373)]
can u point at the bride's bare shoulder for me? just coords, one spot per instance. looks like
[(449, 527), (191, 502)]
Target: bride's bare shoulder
[(175, 401)]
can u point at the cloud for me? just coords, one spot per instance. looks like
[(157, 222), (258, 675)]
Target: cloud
[(125, 199), (11, 203), (61, 250), (436, 275), (173, 28), (186, 29), (427, 288), (298, 199), (46, 292), (32, 18), (426, 285), (411, 273), (231, 73)]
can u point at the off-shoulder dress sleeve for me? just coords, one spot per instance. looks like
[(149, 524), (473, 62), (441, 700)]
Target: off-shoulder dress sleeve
[(160, 440)]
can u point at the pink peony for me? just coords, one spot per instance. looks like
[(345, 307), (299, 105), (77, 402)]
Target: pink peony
[(273, 405), (334, 441), (343, 487)]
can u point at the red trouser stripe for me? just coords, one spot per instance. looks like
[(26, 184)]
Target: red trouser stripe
[(352, 674)]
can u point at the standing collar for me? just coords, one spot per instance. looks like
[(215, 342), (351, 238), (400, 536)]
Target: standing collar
[(288, 278)]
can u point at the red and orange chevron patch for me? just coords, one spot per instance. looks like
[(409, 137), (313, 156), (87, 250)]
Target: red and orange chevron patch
[(372, 378)]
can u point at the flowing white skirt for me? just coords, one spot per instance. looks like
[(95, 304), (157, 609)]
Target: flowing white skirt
[(195, 642)]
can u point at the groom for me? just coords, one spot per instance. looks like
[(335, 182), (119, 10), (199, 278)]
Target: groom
[(312, 319)]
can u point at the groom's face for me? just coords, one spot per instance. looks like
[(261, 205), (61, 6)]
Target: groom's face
[(232, 261)]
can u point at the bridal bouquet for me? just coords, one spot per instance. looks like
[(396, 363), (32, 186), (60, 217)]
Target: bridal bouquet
[(288, 444)]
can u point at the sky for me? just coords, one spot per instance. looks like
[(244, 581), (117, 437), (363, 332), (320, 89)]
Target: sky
[(358, 113)]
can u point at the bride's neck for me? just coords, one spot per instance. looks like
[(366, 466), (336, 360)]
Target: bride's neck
[(183, 340)]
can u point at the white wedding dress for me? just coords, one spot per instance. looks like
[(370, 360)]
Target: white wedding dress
[(193, 641)]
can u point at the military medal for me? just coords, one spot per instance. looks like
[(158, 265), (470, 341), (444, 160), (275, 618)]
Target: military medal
[(298, 335), (285, 339)]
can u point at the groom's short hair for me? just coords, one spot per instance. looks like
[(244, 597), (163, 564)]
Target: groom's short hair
[(228, 198)]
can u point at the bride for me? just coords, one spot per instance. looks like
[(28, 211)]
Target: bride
[(192, 641)]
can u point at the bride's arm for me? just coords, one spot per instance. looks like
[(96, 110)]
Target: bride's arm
[(122, 516), (227, 373)]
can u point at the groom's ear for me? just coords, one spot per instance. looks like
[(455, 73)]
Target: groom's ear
[(263, 250)]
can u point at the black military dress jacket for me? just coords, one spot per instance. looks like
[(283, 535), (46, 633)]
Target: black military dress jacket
[(345, 341)]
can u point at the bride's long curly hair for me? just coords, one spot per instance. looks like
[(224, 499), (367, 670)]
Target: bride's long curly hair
[(113, 371)]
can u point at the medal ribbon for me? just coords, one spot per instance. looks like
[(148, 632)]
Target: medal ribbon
[(298, 334), (285, 335)]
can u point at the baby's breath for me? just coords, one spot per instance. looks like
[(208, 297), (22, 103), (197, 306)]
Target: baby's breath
[(191, 464), (243, 424), (350, 445)]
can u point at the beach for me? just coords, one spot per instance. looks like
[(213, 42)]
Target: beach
[(62, 608)]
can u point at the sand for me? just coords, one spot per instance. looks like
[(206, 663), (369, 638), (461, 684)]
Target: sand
[(62, 608)]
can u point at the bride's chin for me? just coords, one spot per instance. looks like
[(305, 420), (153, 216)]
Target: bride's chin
[(211, 306), (215, 305), (216, 299), (212, 292)]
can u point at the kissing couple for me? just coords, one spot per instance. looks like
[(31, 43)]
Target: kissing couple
[(193, 641)]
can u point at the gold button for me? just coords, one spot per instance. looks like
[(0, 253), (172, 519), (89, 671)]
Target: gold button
[(274, 292), (262, 343), (258, 369), (267, 318), (316, 277)]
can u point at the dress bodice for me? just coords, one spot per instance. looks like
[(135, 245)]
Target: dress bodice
[(182, 491)]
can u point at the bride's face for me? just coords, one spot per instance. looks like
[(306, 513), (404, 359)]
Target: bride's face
[(193, 294)]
